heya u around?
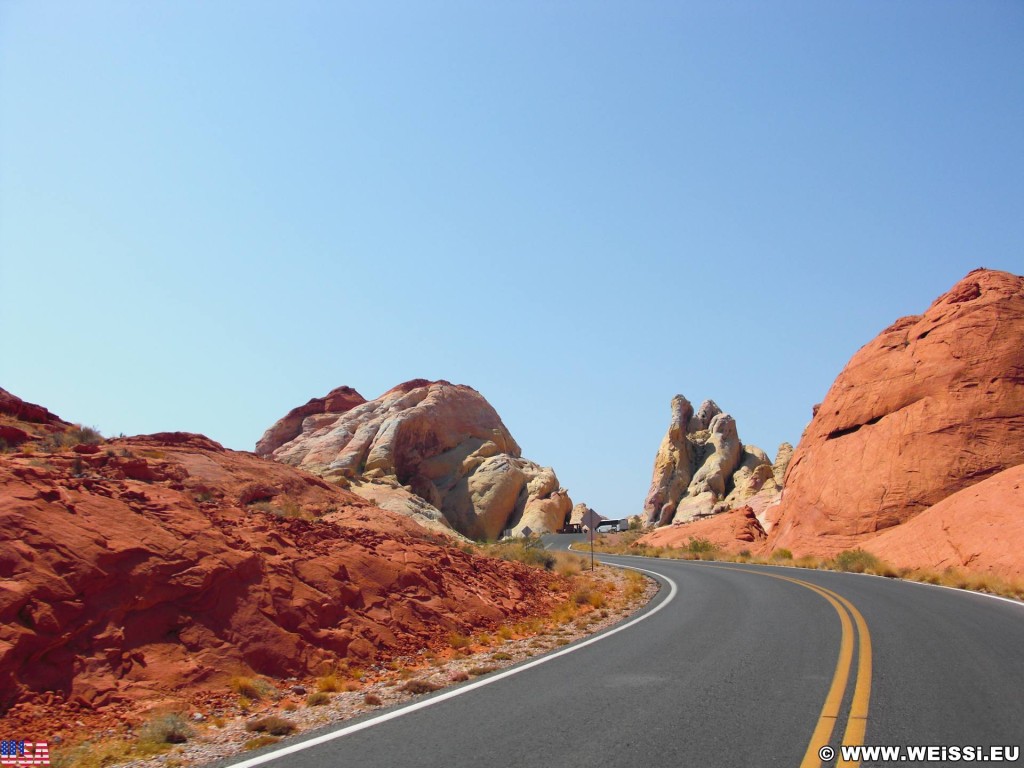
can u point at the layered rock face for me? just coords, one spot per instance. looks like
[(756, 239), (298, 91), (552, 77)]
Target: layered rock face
[(21, 422), (934, 405), (441, 443), (702, 467), (979, 528), (154, 568)]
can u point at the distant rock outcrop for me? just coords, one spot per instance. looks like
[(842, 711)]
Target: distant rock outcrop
[(440, 442), (702, 467), (934, 405)]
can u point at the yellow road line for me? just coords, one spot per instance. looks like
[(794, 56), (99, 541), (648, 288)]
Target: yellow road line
[(856, 723)]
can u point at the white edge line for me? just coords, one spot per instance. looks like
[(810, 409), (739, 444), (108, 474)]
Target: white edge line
[(317, 740)]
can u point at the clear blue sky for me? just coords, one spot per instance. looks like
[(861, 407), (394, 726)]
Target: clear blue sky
[(212, 211)]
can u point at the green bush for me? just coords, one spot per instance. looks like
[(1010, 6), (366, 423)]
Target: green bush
[(700, 546)]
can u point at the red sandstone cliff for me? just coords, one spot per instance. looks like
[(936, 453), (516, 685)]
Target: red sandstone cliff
[(932, 406)]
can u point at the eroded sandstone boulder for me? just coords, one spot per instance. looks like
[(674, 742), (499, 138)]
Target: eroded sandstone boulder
[(702, 467), (443, 443)]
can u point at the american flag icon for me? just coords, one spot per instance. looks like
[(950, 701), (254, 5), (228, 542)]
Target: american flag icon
[(24, 753)]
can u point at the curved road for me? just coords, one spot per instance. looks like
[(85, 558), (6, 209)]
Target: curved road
[(728, 666)]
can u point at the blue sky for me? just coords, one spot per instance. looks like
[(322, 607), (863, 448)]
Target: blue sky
[(211, 212)]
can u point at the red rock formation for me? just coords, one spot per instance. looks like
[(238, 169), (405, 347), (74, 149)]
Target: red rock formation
[(164, 564), (14, 407), (933, 405), (980, 528), (732, 531)]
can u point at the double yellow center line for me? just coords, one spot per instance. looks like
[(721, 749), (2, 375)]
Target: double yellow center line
[(857, 721)]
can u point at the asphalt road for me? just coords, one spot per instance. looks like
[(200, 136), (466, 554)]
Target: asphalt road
[(728, 666)]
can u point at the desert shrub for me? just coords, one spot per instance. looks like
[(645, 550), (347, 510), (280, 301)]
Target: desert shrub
[(521, 552), (77, 435), (317, 699), (455, 640), (251, 688), (856, 561), (782, 554), (85, 435), (501, 656), (372, 700), (272, 724), (568, 564), (328, 684), (418, 687), (700, 546), (166, 729), (481, 670), (588, 595)]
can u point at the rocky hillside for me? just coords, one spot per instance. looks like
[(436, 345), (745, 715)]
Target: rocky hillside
[(932, 406), (152, 569), (703, 468), (430, 449)]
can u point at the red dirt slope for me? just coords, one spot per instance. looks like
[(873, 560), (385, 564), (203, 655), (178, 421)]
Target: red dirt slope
[(150, 568)]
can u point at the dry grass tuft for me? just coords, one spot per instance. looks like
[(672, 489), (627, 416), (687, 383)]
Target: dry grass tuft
[(251, 688), (328, 684), (318, 699)]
